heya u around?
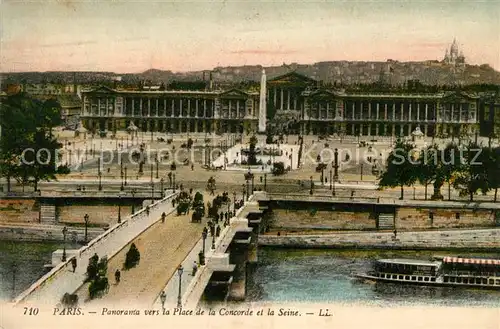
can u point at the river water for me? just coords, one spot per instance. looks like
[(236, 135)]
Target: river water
[(22, 263), (282, 275)]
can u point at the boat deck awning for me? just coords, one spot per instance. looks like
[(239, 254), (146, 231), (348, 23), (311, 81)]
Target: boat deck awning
[(478, 261)]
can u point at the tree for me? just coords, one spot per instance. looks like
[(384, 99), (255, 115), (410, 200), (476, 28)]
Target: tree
[(132, 258), (427, 166), (493, 169), (269, 138), (401, 168), (278, 168), (472, 175), (447, 161), (28, 149)]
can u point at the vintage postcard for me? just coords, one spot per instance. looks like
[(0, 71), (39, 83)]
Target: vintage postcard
[(252, 164)]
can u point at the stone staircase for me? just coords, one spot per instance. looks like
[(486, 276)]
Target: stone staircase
[(386, 221), (48, 214)]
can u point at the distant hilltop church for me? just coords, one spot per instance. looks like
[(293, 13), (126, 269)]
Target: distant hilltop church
[(453, 56)]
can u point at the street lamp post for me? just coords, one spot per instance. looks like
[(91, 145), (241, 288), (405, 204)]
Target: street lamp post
[(180, 269), (119, 209), (204, 236), (213, 241), (331, 179), (312, 185), (162, 191), (100, 182), (336, 164), (244, 192), (157, 164), (125, 181), (86, 220), (64, 231), (265, 182), (133, 199), (361, 171), (152, 192), (173, 179), (234, 202), (121, 176)]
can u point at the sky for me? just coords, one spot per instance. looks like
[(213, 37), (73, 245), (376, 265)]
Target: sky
[(134, 36)]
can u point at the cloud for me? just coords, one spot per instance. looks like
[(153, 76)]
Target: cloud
[(432, 45), (263, 52)]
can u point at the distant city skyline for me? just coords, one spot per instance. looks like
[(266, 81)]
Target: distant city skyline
[(132, 37)]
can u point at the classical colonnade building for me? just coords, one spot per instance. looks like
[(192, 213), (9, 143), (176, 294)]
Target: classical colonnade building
[(313, 109)]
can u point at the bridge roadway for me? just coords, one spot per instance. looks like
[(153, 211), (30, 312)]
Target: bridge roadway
[(49, 289), (163, 246)]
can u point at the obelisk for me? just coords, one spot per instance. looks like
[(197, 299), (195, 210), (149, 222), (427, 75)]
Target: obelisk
[(263, 103)]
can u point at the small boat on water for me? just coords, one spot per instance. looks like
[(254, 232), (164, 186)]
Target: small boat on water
[(448, 272)]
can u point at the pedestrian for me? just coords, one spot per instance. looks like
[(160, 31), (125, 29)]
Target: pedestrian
[(147, 210), (163, 215), (73, 264), (226, 215), (212, 230), (217, 231), (195, 267), (192, 167), (117, 276), (395, 234)]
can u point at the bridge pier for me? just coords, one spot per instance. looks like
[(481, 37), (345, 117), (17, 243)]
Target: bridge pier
[(254, 220), (238, 255)]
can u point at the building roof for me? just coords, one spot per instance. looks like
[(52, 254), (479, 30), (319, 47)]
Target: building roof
[(69, 100), (402, 261)]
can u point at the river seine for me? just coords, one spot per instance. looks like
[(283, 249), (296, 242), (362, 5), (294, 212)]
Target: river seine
[(282, 275), (324, 276)]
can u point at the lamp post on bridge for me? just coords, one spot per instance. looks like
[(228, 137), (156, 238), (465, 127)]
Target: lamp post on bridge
[(234, 202), (180, 269), (243, 192), (125, 181), (86, 220), (204, 236), (64, 231), (162, 191)]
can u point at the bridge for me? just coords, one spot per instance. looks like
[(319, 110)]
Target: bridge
[(225, 258), (50, 288)]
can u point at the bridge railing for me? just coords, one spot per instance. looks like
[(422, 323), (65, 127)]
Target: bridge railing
[(109, 244)]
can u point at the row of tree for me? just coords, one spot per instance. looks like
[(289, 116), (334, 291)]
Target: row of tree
[(469, 168), (28, 149)]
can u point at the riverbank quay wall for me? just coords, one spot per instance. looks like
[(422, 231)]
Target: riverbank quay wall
[(467, 240), (299, 212), (46, 233), (70, 206), (50, 288)]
